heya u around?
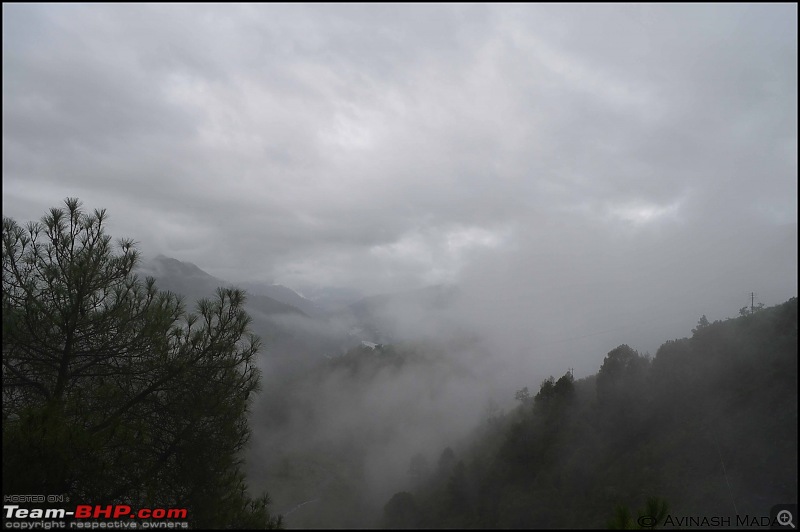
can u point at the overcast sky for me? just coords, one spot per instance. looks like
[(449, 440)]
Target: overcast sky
[(640, 159)]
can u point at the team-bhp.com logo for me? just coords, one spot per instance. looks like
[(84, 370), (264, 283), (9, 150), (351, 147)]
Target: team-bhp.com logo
[(96, 511)]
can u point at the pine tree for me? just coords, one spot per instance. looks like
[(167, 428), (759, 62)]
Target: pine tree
[(112, 393)]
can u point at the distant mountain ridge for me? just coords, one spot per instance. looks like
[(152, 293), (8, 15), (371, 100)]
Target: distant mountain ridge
[(193, 283), (297, 328), (162, 266), (284, 295)]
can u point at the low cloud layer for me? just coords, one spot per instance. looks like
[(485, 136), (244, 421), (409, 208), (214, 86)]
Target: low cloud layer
[(575, 168)]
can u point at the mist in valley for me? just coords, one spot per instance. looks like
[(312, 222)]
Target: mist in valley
[(353, 397), (434, 209)]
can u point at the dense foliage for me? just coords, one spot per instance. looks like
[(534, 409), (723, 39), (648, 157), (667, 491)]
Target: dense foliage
[(112, 393), (706, 427)]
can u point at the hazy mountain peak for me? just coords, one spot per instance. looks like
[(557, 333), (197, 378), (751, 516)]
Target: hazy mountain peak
[(162, 265), (192, 282)]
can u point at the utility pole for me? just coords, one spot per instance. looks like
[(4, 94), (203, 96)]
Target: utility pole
[(752, 298)]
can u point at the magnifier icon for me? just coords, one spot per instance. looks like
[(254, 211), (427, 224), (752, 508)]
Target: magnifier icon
[(785, 518)]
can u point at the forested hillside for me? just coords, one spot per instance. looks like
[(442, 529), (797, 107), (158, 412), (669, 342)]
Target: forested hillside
[(329, 444), (708, 426)]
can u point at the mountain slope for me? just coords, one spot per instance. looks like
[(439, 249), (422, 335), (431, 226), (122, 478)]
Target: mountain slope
[(284, 295), (193, 283), (709, 426)]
